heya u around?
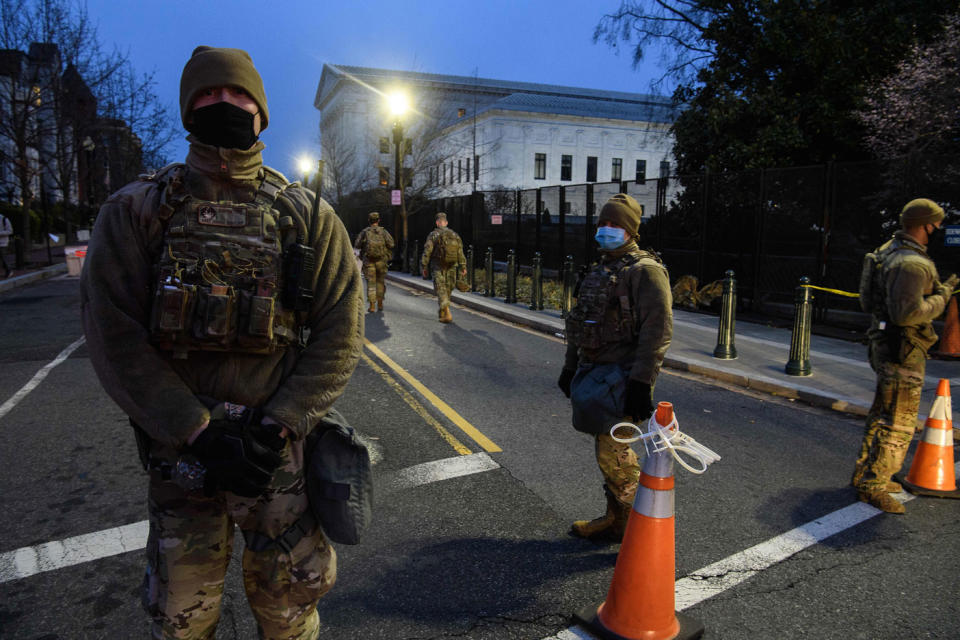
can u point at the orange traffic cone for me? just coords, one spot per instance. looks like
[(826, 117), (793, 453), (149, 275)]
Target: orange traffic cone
[(640, 603), (932, 471), (950, 340)]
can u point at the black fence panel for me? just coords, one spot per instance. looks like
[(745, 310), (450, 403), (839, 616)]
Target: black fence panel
[(770, 226)]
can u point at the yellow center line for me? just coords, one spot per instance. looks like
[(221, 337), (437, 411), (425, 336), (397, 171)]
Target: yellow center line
[(418, 408), (454, 417)]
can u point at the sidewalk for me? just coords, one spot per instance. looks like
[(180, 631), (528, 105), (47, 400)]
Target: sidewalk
[(841, 376)]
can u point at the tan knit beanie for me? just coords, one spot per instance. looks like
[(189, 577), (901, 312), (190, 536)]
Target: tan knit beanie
[(220, 67), (920, 212), (623, 211)]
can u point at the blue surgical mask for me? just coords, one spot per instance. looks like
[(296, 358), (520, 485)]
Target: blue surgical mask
[(610, 238)]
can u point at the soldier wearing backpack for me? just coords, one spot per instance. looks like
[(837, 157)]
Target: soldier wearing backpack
[(901, 289), (442, 258), (374, 245)]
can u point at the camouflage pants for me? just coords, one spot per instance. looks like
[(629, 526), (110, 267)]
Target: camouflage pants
[(893, 415), (374, 273), (619, 466), (189, 547), (444, 282)]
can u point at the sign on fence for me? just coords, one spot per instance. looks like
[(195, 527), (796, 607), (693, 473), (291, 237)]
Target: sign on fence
[(496, 219), (395, 196), (952, 236)]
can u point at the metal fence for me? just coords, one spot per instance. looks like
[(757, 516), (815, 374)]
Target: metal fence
[(770, 226)]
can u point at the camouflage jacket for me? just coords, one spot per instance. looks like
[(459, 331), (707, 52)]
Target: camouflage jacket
[(294, 386), (910, 290), (430, 260), (647, 287)]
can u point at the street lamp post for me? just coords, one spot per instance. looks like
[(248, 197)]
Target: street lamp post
[(398, 106), (399, 209)]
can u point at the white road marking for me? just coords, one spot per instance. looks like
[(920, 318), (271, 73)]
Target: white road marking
[(28, 561), (38, 377), (740, 567), (440, 470), (50, 556)]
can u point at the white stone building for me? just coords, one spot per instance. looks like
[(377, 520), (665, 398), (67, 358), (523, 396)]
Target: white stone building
[(468, 133)]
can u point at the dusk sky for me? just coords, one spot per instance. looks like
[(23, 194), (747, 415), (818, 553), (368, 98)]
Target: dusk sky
[(544, 41)]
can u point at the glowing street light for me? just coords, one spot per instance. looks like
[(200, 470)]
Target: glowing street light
[(398, 102), (305, 164)]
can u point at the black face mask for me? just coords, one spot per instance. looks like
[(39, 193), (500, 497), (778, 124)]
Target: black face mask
[(223, 125), (936, 237)]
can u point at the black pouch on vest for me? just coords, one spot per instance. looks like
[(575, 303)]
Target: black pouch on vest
[(339, 479), (597, 396)]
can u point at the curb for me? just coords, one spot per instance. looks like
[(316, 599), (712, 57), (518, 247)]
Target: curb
[(33, 276), (541, 321)]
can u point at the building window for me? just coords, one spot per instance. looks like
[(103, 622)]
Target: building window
[(566, 167), (407, 147), (384, 176), (430, 177), (591, 168), (566, 208), (407, 176), (664, 169), (468, 169), (459, 170), (476, 167), (444, 182), (616, 170), (461, 113), (384, 144), (641, 176), (539, 166)]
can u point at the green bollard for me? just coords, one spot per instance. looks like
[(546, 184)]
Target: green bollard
[(799, 362), (414, 262), (511, 277), (568, 275), (471, 270), (490, 287), (725, 349), (536, 283)]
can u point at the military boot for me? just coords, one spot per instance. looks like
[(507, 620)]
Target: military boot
[(445, 315), (610, 526), (372, 307), (379, 304), (881, 500), (860, 469)]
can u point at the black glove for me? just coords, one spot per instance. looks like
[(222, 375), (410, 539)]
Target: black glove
[(566, 377), (238, 458), (638, 403)]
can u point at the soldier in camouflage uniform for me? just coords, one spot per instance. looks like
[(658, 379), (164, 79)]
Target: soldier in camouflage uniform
[(904, 297), (374, 246), (623, 315), (194, 332), (443, 258)]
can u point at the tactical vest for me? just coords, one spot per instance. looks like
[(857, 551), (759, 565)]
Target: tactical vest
[(604, 313), (219, 276)]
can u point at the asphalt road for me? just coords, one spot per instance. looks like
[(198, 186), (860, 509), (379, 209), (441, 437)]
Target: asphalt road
[(470, 535)]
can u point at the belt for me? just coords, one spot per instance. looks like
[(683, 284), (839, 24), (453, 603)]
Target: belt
[(286, 541)]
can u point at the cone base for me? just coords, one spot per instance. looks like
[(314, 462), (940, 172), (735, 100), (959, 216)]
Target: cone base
[(923, 491), (690, 629)]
